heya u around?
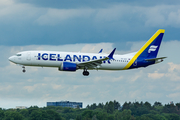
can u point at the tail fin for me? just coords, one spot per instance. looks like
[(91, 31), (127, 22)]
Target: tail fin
[(151, 48)]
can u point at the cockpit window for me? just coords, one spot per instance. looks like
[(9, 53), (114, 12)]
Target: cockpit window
[(18, 55)]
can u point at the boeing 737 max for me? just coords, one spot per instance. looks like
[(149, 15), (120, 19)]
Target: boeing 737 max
[(71, 61)]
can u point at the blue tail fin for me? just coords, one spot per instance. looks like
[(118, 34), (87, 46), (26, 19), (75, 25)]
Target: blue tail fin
[(150, 49)]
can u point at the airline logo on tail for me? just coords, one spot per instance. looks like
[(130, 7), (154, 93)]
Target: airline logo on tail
[(152, 48)]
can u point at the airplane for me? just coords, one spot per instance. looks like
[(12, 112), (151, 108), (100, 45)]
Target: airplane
[(72, 61)]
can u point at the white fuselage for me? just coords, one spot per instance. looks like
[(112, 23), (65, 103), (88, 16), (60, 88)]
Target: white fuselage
[(55, 59)]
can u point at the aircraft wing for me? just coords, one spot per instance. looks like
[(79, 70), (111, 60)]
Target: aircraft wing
[(95, 63)]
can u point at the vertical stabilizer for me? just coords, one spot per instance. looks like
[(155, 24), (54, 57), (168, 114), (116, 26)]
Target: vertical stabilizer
[(150, 49)]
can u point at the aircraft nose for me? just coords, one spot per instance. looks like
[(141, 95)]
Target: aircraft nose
[(11, 58)]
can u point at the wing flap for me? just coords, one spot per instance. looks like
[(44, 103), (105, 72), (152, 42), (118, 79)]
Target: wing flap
[(92, 63)]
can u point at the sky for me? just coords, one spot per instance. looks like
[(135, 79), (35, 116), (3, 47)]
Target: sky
[(88, 26)]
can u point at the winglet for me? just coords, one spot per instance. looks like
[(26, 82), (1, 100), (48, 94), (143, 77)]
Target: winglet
[(111, 54), (101, 51)]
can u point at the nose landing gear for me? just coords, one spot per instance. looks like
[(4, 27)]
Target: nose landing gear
[(23, 69), (85, 72)]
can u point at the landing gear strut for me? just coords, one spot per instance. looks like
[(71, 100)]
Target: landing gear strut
[(85, 72), (23, 69)]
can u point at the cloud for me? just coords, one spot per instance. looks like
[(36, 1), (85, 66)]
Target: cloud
[(150, 95), (94, 3), (159, 15), (6, 2), (171, 72), (59, 87), (164, 15), (135, 94), (135, 77), (26, 23), (97, 47), (12, 12), (174, 95), (6, 88), (58, 16), (155, 75), (173, 67), (30, 88)]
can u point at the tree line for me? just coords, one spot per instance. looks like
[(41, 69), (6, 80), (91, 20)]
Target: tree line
[(111, 110)]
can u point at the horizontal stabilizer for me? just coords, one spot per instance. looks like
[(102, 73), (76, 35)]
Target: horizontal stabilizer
[(152, 59)]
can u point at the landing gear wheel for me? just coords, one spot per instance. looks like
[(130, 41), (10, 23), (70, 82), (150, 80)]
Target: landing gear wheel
[(85, 73), (23, 69)]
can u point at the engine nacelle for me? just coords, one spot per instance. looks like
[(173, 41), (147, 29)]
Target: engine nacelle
[(67, 66)]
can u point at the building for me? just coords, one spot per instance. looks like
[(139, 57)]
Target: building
[(66, 104), (21, 107)]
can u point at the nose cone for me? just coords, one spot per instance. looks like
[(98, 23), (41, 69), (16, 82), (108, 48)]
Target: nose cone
[(12, 58)]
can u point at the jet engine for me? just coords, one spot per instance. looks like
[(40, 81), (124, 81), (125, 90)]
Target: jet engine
[(67, 66)]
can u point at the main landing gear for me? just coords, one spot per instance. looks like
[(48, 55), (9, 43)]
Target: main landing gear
[(85, 72), (23, 69)]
